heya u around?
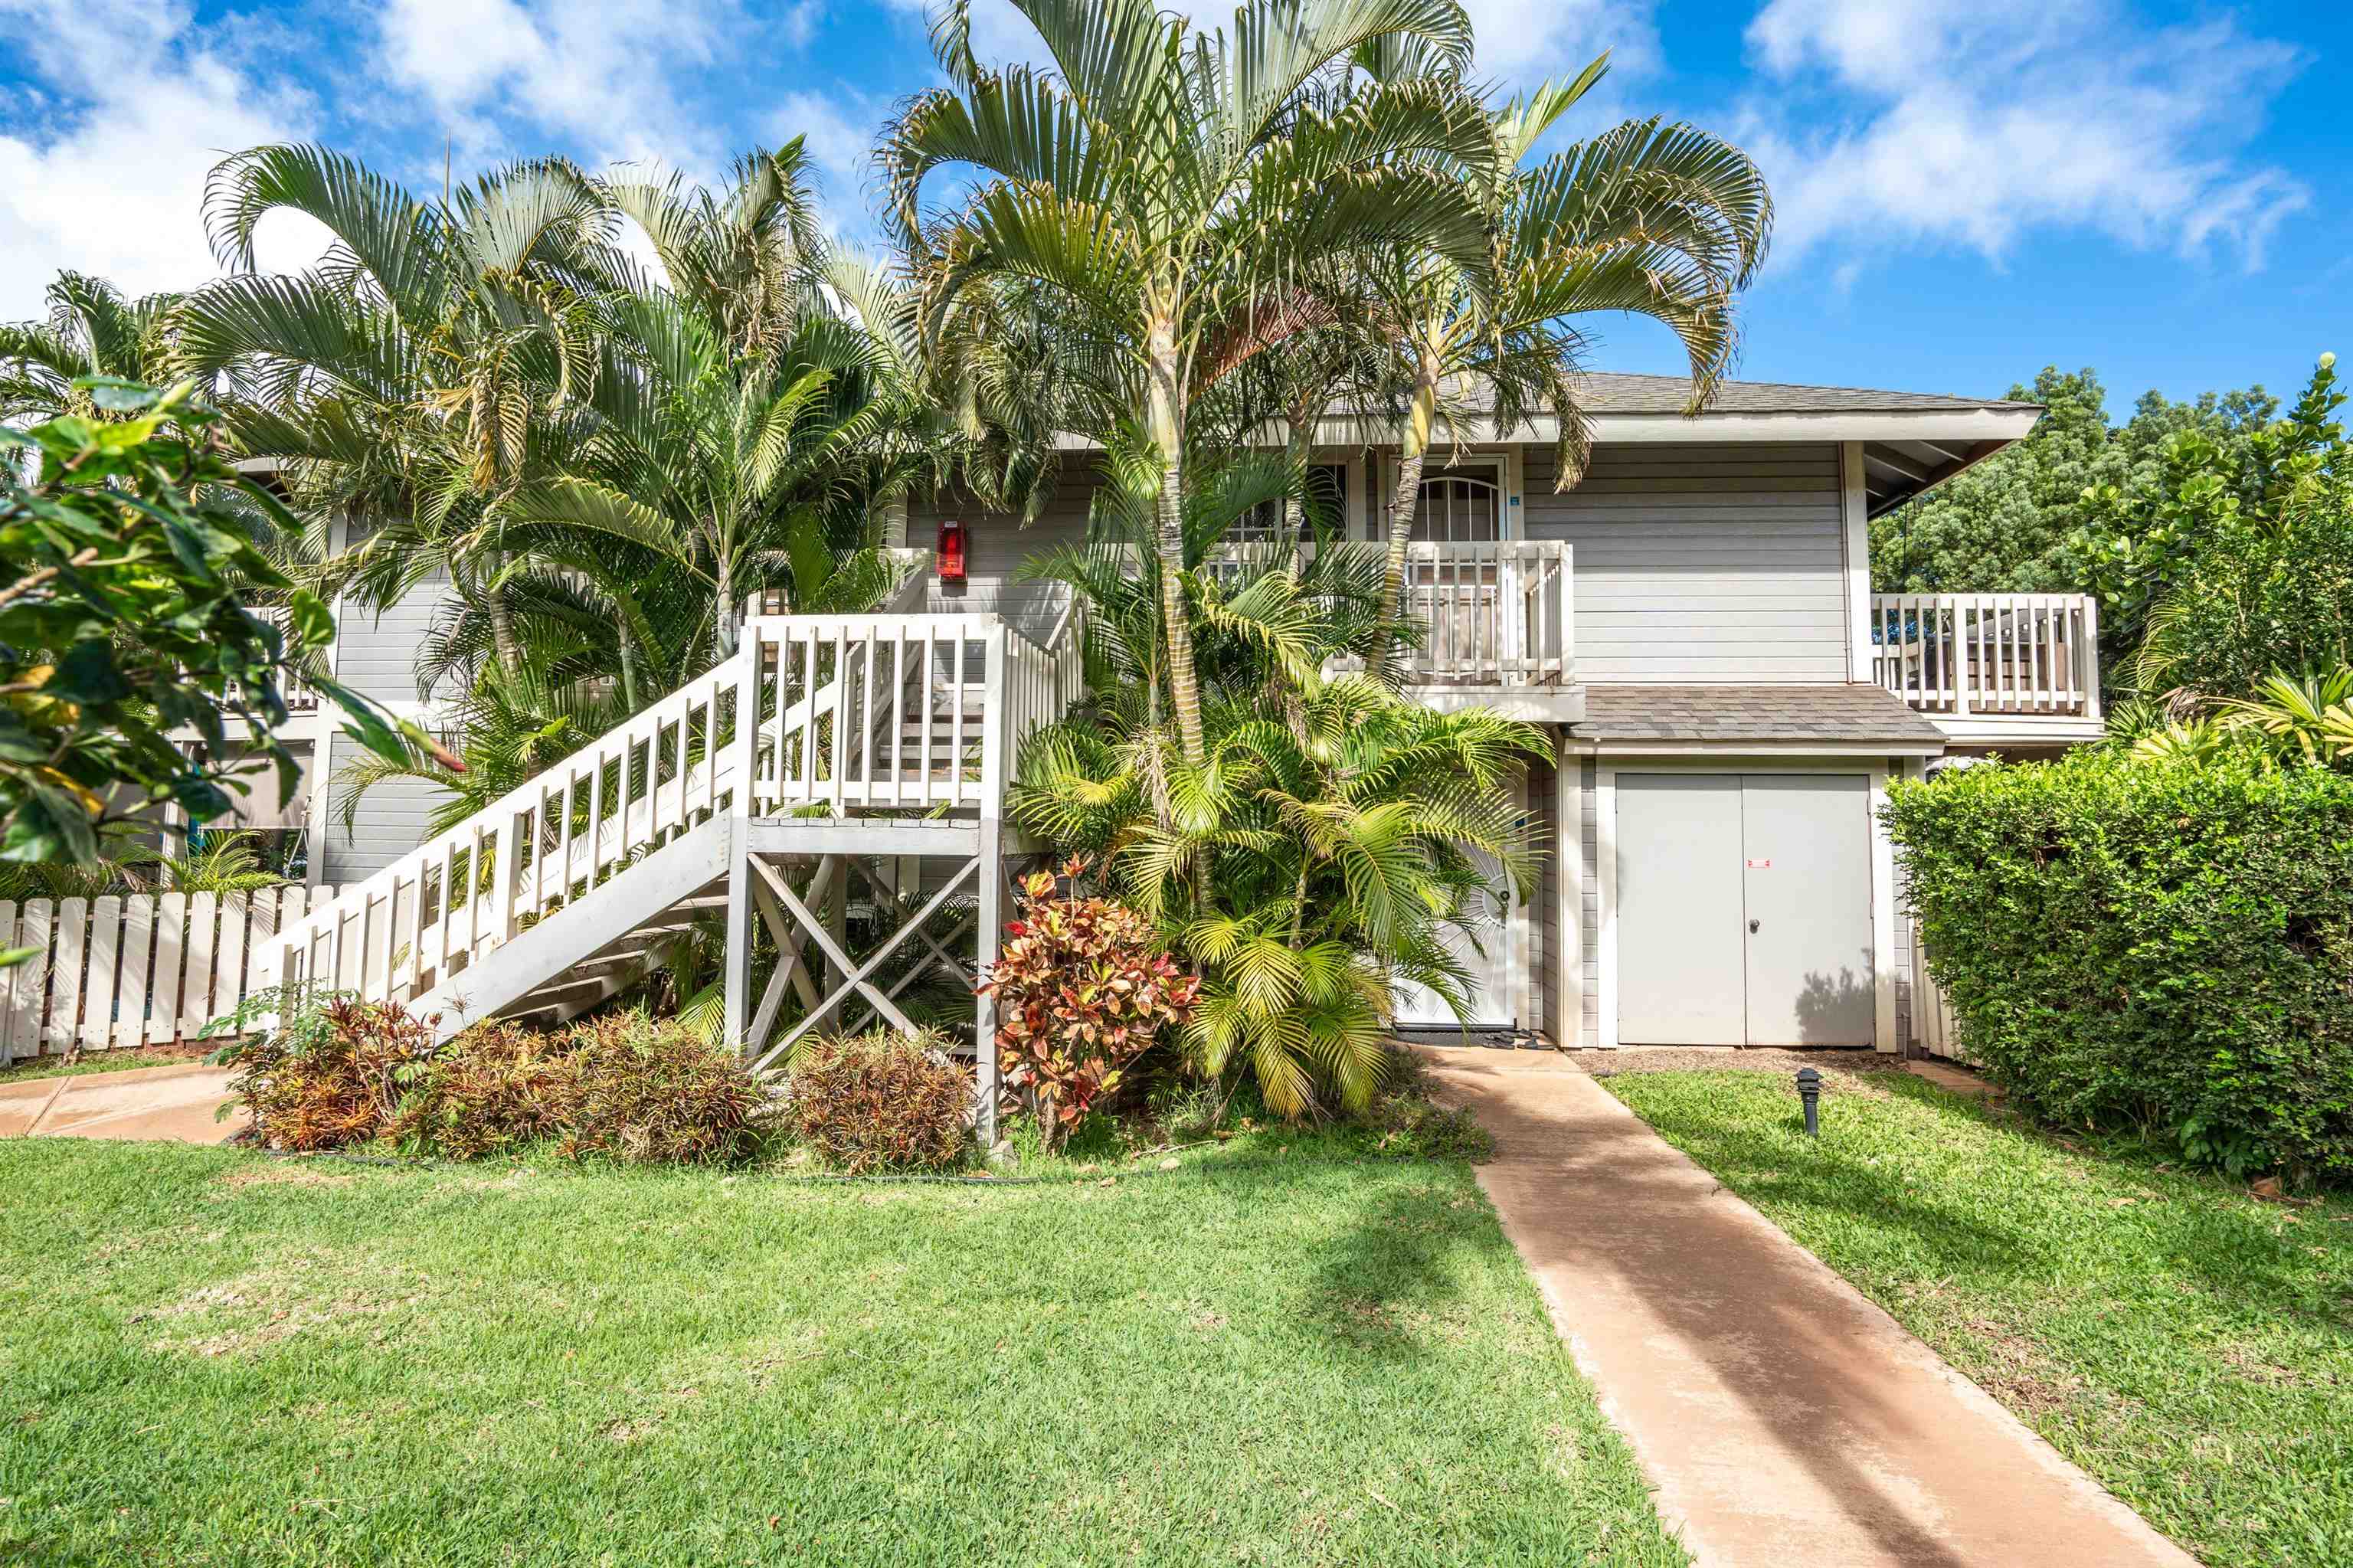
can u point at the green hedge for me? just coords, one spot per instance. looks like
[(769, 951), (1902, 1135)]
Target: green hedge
[(2164, 946)]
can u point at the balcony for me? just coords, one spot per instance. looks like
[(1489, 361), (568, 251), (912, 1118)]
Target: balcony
[(1498, 619), (1993, 668)]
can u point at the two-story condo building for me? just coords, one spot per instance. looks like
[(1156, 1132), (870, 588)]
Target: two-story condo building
[(1693, 625)]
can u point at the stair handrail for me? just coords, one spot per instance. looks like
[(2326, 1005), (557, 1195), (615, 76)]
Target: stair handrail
[(430, 910), (295, 945)]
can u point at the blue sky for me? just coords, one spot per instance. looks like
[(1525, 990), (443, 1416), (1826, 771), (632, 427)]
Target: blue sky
[(1968, 189)]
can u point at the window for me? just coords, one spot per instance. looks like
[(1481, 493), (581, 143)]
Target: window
[(1461, 505), (1325, 508)]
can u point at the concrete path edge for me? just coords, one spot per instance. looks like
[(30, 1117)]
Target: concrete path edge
[(1782, 1415)]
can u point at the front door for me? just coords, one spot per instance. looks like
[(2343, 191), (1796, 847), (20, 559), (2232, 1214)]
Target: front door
[(1493, 973), (1744, 910)]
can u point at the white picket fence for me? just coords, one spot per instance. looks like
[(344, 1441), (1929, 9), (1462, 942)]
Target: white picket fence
[(146, 969)]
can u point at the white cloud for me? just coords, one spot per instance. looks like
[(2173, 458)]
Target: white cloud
[(839, 132), (601, 74), (1519, 42), (1971, 122), (110, 179)]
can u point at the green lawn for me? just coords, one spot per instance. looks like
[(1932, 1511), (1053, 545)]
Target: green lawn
[(212, 1357), (2186, 1344), (96, 1062)]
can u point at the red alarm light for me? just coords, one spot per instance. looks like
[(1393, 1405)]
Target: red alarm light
[(951, 551)]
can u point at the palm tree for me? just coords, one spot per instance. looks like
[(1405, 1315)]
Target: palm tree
[(434, 360), (740, 258), (725, 466), (1159, 181), (91, 330), (1332, 837), (1649, 219), (2286, 721)]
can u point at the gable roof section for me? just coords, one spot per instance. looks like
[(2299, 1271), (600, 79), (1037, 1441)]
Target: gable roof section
[(1610, 392), (1778, 718)]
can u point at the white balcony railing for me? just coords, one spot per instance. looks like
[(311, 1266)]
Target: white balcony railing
[(1493, 613), (2025, 655), (1496, 612)]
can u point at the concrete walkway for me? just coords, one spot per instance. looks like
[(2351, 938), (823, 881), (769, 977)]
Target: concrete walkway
[(1784, 1419), (175, 1104)]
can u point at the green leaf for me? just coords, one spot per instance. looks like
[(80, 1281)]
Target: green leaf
[(87, 674), (313, 623)]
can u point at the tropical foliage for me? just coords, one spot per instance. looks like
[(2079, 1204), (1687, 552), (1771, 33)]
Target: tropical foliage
[(1335, 842), (601, 464), (1160, 188), (2218, 532), (1649, 219), (2142, 947), (91, 330), (130, 568), (1083, 987)]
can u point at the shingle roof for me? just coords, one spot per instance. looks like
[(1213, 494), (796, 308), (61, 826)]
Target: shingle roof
[(1844, 715), (1608, 392)]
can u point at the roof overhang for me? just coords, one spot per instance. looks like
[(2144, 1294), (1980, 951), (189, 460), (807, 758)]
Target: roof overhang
[(1585, 746), (1905, 451)]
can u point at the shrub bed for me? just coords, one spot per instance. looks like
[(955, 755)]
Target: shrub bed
[(2166, 947), (881, 1102), (622, 1087)]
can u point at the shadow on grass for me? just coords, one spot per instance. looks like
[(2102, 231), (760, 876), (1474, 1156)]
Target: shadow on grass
[(2206, 1228), (1389, 1284)]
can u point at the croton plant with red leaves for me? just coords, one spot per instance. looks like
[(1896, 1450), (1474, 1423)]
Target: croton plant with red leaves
[(1083, 987)]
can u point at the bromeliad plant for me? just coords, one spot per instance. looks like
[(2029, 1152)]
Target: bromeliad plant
[(1084, 987)]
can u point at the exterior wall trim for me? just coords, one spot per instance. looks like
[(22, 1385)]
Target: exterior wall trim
[(1855, 505)]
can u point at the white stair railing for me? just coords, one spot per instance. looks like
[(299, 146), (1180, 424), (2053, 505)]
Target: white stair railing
[(850, 714), (462, 894)]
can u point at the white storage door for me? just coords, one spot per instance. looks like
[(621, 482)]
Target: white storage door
[(1806, 842), (1679, 910), (1744, 910)]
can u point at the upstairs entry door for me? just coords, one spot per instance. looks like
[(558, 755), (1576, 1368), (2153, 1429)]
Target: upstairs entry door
[(1744, 910)]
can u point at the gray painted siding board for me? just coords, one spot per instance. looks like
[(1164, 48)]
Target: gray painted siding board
[(376, 652), (1000, 543), (1705, 564), (390, 823)]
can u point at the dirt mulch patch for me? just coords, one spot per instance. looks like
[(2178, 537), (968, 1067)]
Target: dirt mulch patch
[(1717, 1059)]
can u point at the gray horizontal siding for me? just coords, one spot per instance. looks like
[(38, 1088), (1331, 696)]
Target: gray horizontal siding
[(1702, 563), (375, 650), (390, 822), (1000, 543)]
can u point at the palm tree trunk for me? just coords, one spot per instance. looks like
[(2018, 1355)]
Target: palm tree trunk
[(1413, 442), (503, 640), (725, 641), (1299, 448), (629, 671), (1164, 416)]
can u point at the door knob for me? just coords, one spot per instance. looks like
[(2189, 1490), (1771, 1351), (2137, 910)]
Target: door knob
[(1752, 925)]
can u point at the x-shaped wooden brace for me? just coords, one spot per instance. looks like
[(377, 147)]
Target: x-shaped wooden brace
[(858, 974), (790, 966), (940, 954)]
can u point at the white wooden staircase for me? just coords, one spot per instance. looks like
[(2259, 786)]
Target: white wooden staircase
[(825, 742)]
